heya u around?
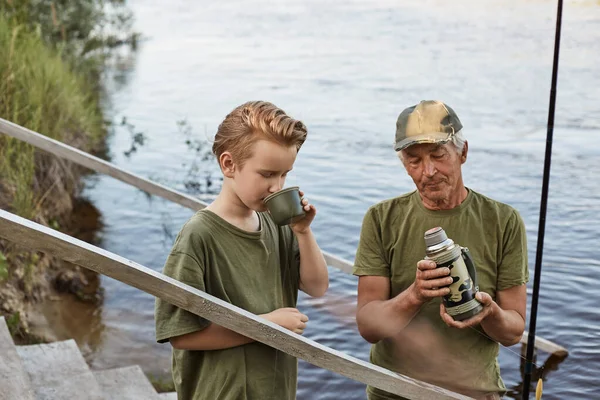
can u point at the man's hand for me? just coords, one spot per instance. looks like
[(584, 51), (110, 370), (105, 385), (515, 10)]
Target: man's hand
[(430, 281), (289, 318), (488, 308)]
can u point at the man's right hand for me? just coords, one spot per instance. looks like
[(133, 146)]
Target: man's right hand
[(430, 281), (289, 318)]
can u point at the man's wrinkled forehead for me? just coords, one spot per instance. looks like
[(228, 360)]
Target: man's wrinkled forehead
[(421, 148)]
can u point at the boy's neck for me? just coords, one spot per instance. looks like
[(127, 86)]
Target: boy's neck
[(229, 207)]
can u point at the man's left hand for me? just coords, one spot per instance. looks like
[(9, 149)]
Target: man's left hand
[(489, 305)]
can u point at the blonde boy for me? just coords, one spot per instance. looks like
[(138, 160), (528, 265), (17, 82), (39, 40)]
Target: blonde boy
[(234, 251)]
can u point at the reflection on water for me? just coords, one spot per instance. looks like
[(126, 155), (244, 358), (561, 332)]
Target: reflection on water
[(346, 68), (539, 371), (69, 318)]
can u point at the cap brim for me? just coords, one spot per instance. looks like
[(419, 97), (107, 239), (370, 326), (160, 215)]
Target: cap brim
[(437, 137)]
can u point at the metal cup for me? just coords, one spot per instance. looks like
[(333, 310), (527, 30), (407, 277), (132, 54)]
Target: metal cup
[(285, 206)]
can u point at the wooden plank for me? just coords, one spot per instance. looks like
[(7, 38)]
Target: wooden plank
[(96, 164), (34, 236), (84, 159), (545, 345)]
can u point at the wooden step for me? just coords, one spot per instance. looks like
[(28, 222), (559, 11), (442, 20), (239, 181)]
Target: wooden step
[(14, 381), (127, 383), (57, 371), (168, 396)]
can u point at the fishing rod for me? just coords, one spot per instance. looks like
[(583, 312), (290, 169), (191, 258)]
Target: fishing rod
[(542, 221)]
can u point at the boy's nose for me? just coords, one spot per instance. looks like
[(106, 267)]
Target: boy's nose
[(277, 185)]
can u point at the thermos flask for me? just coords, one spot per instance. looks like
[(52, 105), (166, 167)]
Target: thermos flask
[(460, 303)]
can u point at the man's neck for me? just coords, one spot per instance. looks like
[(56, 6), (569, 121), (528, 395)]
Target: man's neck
[(454, 200)]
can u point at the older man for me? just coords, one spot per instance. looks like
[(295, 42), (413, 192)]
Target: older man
[(399, 293)]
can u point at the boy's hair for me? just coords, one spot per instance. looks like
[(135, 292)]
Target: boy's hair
[(252, 121)]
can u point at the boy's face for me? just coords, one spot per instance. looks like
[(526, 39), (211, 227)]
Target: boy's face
[(263, 173)]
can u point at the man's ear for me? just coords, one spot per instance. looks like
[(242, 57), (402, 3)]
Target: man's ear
[(227, 165), (465, 150)]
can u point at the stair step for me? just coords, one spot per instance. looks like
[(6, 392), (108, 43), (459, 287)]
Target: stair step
[(127, 383), (168, 396), (14, 381), (58, 371)]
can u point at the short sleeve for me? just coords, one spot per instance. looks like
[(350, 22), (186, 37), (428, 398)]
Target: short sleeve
[(513, 269), (370, 257), (171, 320)]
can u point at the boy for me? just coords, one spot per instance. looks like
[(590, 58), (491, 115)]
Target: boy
[(234, 251)]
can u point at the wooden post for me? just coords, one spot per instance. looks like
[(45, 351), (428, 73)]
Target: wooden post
[(34, 236)]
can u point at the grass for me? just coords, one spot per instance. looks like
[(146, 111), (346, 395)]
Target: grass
[(43, 87), (3, 267), (39, 90)]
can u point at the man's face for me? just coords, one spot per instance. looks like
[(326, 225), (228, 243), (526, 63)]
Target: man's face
[(263, 173), (435, 169)]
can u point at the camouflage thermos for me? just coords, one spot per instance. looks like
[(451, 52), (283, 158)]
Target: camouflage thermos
[(460, 303)]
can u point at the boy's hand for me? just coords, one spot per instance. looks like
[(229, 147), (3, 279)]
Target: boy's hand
[(289, 318), (303, 225)]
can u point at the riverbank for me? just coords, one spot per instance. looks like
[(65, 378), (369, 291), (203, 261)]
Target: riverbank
[(50, 76)]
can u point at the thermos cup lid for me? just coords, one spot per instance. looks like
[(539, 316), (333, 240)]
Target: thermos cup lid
[(435, 236)]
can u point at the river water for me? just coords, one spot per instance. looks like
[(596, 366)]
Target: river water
[(347, 68)]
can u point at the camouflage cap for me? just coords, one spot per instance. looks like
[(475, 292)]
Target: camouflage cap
[(430, 121)]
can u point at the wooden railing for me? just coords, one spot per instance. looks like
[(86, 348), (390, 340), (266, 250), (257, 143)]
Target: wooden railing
[(35, 236), (38, 237)]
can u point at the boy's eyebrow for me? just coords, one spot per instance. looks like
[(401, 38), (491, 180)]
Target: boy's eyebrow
[(273, 171)]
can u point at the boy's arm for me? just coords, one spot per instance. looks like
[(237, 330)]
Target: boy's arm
[(213, 337), (314, 278), (216, 337)]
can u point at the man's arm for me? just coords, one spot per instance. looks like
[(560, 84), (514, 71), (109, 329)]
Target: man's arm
[(506, 322), (502, 320), (379, 317)]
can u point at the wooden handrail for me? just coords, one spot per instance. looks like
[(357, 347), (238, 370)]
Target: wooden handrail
[(38, 237), (84, 159), (96, 164)]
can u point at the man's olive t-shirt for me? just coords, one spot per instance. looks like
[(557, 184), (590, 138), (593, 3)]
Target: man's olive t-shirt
[(257, 271), (391, 244)]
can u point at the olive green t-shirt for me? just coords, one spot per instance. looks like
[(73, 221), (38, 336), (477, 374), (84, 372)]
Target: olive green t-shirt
[(391, 244), (257, 271)]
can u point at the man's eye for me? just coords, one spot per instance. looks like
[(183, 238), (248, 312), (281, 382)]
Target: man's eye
[(267, 174), (438, 156)]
